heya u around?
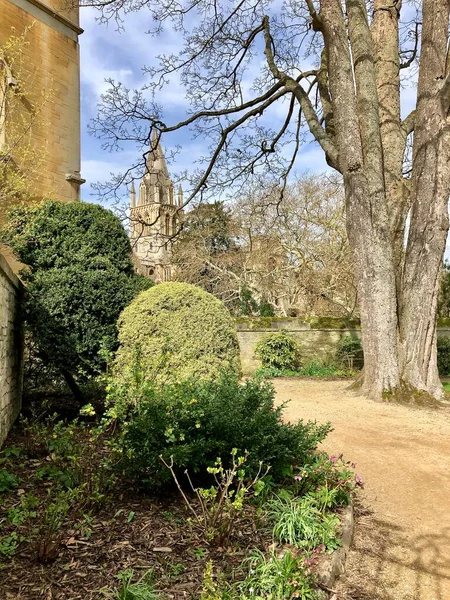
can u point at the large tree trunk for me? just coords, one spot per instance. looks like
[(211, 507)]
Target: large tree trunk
[(429, 212), (398, 288)]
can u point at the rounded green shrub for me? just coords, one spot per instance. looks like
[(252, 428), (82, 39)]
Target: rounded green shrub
[(177, 331), (278, 350)]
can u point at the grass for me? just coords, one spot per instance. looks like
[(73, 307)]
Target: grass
[(313, 369)]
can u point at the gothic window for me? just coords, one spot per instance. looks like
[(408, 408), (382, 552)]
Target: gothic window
[(174, 225), (167, 225), (167, 276), (171, 195), (142, 193), (161, 195)]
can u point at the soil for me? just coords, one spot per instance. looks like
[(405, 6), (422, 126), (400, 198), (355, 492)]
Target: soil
[(401, 549), (82, 560)]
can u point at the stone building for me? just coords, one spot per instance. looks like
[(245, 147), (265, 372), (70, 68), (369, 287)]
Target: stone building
[(155, 214), (51, 62)]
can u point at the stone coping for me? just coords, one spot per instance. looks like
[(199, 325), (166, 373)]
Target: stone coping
[(14, 280)]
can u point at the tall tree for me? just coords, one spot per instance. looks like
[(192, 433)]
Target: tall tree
[(350, 101)]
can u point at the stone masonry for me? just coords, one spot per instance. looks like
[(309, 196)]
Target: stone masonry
[(11, 348), (51, 54)]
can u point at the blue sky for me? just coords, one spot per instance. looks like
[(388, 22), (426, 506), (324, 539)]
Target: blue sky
[(108, 53), (105, 53)]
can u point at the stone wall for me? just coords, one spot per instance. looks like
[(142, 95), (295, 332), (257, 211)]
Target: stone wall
[(315, 344), (11, 348)]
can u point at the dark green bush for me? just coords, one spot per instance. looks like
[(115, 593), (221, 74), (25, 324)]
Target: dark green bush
[(197, 422), (80, 278), (443, 356), (350, 352), (278, 350)]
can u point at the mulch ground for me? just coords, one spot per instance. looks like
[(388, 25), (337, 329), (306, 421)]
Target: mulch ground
[(129, 531)]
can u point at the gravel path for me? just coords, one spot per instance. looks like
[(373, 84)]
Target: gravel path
[(401, 549)]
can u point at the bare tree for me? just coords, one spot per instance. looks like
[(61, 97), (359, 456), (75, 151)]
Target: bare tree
[(335, 65)]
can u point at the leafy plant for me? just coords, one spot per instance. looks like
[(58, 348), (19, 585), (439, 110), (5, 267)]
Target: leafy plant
[(278, 350), (143, 589), (9, 543), (350, 352), (218, 507), (301, 521), (277, 578), (331, 476), (8, 481), (195, 422)]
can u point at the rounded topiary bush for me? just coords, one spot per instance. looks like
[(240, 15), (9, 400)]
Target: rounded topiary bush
[(176, 331)]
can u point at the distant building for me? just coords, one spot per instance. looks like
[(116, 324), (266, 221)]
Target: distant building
[(156, 214), (51, 58)]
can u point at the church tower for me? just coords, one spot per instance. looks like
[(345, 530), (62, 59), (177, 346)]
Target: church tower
[(156, 214)]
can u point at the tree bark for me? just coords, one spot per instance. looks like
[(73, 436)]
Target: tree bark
[(429, 212), (73, 386)]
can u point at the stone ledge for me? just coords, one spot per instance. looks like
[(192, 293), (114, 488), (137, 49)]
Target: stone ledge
[(331, 567)]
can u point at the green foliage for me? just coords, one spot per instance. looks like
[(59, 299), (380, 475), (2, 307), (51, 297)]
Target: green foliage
[(350, 352), (278, 578), (220, 505), (80, 277), (9, 543), (179, 331), (443, 356), (8, 481), (330, 478), (143, 589), (278, 350), (309, 369), (195, 422), (301, 521), (262, 577), (249, 306), (56, 234)]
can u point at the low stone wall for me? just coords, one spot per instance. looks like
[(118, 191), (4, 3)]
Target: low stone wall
[(11, 348), (315, 344)]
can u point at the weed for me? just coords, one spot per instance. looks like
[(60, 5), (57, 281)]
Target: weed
[(143, 589), (8, 481), (9, 543), (199, 552)]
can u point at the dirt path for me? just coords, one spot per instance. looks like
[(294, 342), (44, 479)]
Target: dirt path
[(402, 545)]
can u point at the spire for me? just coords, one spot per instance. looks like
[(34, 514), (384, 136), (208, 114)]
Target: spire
[(156, 161), (180, 196), (132, 195)]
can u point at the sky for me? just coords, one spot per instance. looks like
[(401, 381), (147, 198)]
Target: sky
[(108, 53)]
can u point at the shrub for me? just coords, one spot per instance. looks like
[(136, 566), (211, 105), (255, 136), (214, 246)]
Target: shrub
[(443, 356), (350, 352), (179, 331), (278, 350), (80, 277), (196, 422)]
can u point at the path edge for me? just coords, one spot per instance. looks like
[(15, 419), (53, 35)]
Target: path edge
[(334, 566)]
